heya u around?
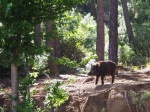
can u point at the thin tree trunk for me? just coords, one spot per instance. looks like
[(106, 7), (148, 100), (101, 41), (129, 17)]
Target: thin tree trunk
[(38, 38), (100, 43), (93, 8), (57, 47), (127, 20), (14, 86), (113, 31), (51, 43)]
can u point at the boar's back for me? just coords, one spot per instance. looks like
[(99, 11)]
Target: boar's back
[(107, 68)]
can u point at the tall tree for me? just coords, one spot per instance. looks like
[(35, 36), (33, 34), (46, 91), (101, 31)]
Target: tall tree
[(50, 42), (100, 44), (113, 31), (14, 86), (37, 31), (127, 20)]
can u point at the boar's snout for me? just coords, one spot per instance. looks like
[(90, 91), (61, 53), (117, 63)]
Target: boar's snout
[(89, 74)]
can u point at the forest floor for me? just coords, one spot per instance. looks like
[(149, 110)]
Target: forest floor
[(79, 87)]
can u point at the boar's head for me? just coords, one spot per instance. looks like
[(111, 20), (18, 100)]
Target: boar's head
[(94, 69)]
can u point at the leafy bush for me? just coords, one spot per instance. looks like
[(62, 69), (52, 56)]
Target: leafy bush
[(3, 109), (55, 97), (40, 64), (72, 50), (26, 104), (125, 54), (79, 35), (140, 18), (139, 97)]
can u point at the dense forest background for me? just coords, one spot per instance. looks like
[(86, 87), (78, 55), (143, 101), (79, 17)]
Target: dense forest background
[(61, 36)]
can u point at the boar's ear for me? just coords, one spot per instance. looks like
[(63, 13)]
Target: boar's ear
[(98, 64)]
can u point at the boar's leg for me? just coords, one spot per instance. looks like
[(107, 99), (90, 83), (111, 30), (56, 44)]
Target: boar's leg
[(97, 77), (113, 77), (102, 79)]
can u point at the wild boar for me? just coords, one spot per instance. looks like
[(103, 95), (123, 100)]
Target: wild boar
[(103, 68)]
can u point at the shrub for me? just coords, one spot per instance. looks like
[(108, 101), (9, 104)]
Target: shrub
[(55, 97)]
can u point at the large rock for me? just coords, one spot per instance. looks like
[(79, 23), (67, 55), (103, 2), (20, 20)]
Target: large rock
[(119, 99), (109, 101), (96, 103), (117, 102)]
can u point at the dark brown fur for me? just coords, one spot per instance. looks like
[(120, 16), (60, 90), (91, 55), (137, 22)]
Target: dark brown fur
[(103, 68)]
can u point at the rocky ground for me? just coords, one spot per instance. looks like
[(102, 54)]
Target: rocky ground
[(129, 93)]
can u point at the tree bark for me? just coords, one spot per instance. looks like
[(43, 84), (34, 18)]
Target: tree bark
[(100, 43), (37, 30), (14, 86), (57, 47), (113, 31), (127, 20), (93, 8), (51, 43)]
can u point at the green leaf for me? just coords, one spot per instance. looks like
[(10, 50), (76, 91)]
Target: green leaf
[(8, 7)]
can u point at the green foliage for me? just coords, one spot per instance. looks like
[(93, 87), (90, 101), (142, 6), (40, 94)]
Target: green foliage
[(3, 109), (55, 97), (34, 11), (140, 17), (18, 19), (138, 52), (79, 35), (26, 104), (135, 99), (66, 61), (40, 63), (88, 57), (71, 80), (125, 54), (103, 110), (139, 98), (141, 41), (72, 49)]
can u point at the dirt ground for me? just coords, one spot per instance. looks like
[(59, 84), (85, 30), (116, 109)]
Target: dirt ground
[(79, 87)]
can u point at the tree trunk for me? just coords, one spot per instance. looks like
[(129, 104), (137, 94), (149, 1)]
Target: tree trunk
[(127, 20), (113, 31), (14, 86), (57, 47), (93, 8), (51, 43), (38, 38), (100, 43)]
